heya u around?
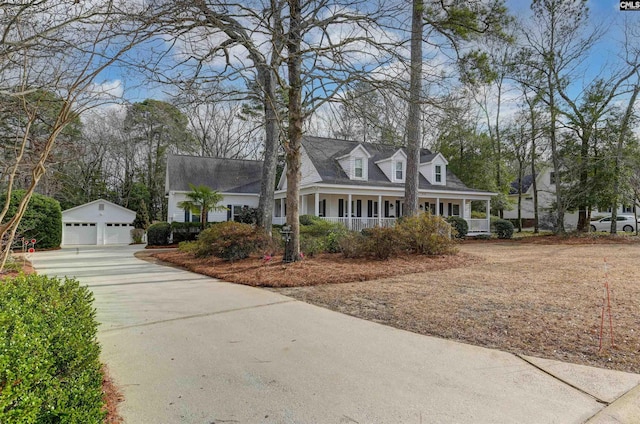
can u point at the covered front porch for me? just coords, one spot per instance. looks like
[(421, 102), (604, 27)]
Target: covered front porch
[(360, 210)]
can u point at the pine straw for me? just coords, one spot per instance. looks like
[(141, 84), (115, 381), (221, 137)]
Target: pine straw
[(321, 269), (112, 397), (533, 297)]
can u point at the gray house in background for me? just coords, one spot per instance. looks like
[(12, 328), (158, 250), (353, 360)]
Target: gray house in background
[(238, 180), (358, 184)]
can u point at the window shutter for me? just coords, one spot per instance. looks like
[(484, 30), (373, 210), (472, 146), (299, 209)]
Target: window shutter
[(369, 208), (358, 208), (187, 216), (341, 207), (386, 208), (229, 212)]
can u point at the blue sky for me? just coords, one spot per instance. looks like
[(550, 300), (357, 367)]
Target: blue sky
[(603, 12)]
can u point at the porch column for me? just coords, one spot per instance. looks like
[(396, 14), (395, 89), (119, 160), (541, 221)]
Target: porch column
[(349, 211), (464, 208), (488, 215), (437, 206), (317, 201), (379, 210)]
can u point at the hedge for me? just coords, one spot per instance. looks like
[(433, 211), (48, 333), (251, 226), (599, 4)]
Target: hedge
[(49, 366), (158, 234), (41, 221)]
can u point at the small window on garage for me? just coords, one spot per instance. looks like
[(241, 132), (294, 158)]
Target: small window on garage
[(109, 225), (92, 225), (68, 225)]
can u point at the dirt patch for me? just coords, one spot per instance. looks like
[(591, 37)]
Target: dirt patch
[(541, 297)]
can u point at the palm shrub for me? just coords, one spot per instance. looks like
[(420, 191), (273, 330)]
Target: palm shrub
[(49, 357), (202, 199), (426, 234)]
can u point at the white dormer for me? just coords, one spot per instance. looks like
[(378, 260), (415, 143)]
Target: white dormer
[(356, 163), (395, 167), (435, 171)]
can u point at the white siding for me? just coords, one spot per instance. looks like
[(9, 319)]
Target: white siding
[(177, 214)]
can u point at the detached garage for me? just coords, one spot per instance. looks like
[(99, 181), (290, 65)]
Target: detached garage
[(97, 223)]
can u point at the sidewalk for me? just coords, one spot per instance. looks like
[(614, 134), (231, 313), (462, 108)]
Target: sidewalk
[(189, 349)]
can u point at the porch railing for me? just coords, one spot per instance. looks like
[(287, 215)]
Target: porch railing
[(359, 224), (478, 225)]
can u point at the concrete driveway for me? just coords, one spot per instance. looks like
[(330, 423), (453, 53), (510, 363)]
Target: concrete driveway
[(185, 348)]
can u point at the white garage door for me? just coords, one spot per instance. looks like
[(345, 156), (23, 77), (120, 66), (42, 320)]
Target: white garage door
[(80, 233), (117, 233)]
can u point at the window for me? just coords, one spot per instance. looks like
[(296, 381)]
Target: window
[(456, 210), (552, 178), (399, 174), (359, 170), (438, 173), (191, 217)]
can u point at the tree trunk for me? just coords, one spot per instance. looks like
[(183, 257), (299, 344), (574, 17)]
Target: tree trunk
[(413, 119), (624, 128), (583, 223), (268, 181), (294, 143), (555, 158)]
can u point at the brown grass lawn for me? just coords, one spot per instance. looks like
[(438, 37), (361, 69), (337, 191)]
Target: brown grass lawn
[(539, 297)]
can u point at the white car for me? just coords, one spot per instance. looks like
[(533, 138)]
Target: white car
[(626, 223)]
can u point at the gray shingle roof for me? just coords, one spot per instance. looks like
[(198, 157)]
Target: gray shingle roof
[(220, 174), (324, 151), (527, 180)]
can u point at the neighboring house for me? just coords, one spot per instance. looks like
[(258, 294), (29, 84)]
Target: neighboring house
[(546, 201), (97, 223), (236, 179), (358, 184)]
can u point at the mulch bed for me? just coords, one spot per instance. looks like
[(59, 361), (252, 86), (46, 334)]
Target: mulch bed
[(320, 269)]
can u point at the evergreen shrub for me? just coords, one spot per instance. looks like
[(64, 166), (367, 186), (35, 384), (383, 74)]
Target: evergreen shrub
[(504, 229), (158, 234), (460, 226), (49, 357)]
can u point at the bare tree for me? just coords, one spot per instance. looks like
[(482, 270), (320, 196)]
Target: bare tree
[(54, 47)]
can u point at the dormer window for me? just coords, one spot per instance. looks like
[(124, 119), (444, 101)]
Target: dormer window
[(399, 171), (359, 168), (438, 173)]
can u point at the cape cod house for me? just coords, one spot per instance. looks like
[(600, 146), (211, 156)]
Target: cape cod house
[(358, 184)]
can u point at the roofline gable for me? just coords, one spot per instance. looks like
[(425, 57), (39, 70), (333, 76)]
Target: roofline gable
[(358, 147), (98, 201), (393, 156), (438, 155)]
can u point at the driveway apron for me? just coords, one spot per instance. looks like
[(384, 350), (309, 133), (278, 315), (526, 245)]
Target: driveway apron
[(185, 348)]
